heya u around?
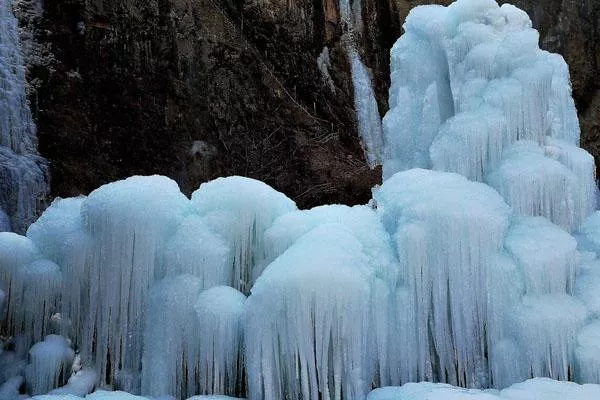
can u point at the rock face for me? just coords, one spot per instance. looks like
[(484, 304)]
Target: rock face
[(196, 89)]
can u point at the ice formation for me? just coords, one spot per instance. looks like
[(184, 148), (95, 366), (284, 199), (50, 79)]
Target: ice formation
[(23, 173), (50, 364), (220, 311), (307, 324), (241, 209), (472, 93), (169, 335), (365, 103), (480, 268)]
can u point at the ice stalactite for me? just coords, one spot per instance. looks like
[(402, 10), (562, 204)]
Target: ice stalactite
[(50, 363), (23, 173), (169, 338), (219, 348)]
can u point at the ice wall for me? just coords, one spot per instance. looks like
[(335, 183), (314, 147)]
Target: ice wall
[(23, 173)]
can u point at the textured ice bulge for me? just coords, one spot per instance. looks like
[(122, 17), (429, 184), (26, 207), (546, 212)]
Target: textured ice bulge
[(128, 223), (169, 337), (468, 81), (426, 211), (23, 173), (50, 363), (219, 312), (241, 209), (307, 321)]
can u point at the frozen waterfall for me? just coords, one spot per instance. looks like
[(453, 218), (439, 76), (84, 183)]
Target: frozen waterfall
[(23, 173), (475, 264)]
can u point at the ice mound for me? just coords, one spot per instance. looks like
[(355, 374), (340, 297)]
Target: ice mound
[(539, 388), (468, 81), (307, 324), (241, 209), (50, 364)]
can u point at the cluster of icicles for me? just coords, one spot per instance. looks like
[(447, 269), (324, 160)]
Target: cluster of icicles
[(478, 268)]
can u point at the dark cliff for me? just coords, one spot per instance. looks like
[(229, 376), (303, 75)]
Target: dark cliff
[(203, 88)]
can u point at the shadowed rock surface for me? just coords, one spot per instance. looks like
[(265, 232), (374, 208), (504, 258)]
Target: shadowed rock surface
[(200, 89)]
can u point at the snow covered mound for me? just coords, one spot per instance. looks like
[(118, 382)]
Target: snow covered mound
[(533, 389)]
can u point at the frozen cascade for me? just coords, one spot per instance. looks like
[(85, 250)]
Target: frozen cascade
[(365, 103), (465, 272), (23, 173), (468, 81)]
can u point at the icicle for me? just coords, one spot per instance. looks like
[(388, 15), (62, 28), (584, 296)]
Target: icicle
[(50, 364), (170, 336), (219, 313), (127, 224)]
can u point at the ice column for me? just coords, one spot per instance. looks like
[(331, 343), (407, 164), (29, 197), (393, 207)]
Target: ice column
[(23, 173)]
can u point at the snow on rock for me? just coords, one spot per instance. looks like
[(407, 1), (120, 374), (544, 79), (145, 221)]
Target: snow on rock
[(307, 321), (241, 210), (79, 384), (219, 312), (49, 364)]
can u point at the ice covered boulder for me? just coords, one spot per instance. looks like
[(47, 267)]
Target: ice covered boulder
[(241, 210)]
